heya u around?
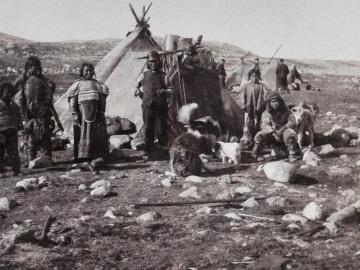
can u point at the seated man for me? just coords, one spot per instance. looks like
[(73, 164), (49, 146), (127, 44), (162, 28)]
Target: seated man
[(277, 128)]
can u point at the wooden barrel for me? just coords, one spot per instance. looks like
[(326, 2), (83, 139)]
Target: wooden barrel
[(171, 42)]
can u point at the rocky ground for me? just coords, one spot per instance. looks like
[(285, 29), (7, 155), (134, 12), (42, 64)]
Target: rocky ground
[(270, 231)]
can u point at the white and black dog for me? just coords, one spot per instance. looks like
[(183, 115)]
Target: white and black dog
[(305, 115), (199, 138)]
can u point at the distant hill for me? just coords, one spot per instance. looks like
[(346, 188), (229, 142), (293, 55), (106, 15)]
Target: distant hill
[(6, 38)]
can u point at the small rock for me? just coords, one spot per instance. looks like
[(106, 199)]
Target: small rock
[(205, 210), (110, 214), (301, 243), (40, 162), (190, 193), (43, 181), (250, 203), (329, 113), (84, 200), (148, 217), (354, 142), (7, 204), (101, 191), (225, 195), (293, 226), (187, 185), (232, 216), (82, 187), (304, 167), (85, 218), (312, 211), (171, 174), (294, 218), (331, 227), (280, 185), (310, 158), (357, 163), (76, 170), (344, 156), (194, 179), (120, 141), (47, 209), (166, 182), (100, 183), (349, 194), (27, 184), (280, 171), (242, 190), (327, 150), (276, 201)]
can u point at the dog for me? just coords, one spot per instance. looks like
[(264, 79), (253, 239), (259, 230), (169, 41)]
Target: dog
[(229, 152), (305, 123), (199, 138)]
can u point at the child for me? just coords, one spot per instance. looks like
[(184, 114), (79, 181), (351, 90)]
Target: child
[(10, 123)]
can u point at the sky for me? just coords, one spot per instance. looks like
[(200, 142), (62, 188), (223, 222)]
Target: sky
[(313, 29)]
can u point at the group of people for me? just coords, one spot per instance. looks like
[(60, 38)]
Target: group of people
[(27, 108), (268, 120)]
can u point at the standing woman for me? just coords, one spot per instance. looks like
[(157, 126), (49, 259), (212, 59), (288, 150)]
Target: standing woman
[(87, 104)]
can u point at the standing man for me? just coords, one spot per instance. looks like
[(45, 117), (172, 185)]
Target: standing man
[(282, 71), (220, 68), (255, 68), (154, 94), (253, 102), (35, 99)]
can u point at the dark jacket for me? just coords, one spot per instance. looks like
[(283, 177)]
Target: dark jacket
[(152, 82), (10, 117)]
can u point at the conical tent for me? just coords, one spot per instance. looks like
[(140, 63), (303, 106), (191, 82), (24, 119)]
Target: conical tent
[(119, 70)]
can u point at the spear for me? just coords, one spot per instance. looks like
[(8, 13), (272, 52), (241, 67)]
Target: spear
[(274, 54)]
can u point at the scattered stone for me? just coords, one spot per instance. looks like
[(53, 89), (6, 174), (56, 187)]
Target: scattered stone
[(329, 113), (7, 204), (276, 201), (187, 185), (205, 210), (194, 179), (250, 203), (171, 174), (310, 158), (84, 200), (357, 163), (280, 185), (294, 218), (280, 171), (191, 192), (312, 211), (354, 142), (27, 184), (85, 218), (336, 170), (301, 243), (354, 132), (110, 214), (43, 181), (344, 156), (100, 183), (331, 227), (101, 191), (82, 187), (40, 162), (293, 226), (148, 217), (232, 216), (166, 182), (47, 209), (76, 170), (16, 235), (304, 167), (327, 150), (348, 212), (242, 190)]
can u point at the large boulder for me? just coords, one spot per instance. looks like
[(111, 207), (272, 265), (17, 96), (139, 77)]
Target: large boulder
[(280, 171), (119, 126)]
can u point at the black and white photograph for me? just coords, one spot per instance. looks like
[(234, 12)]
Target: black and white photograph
[(179, 134)]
